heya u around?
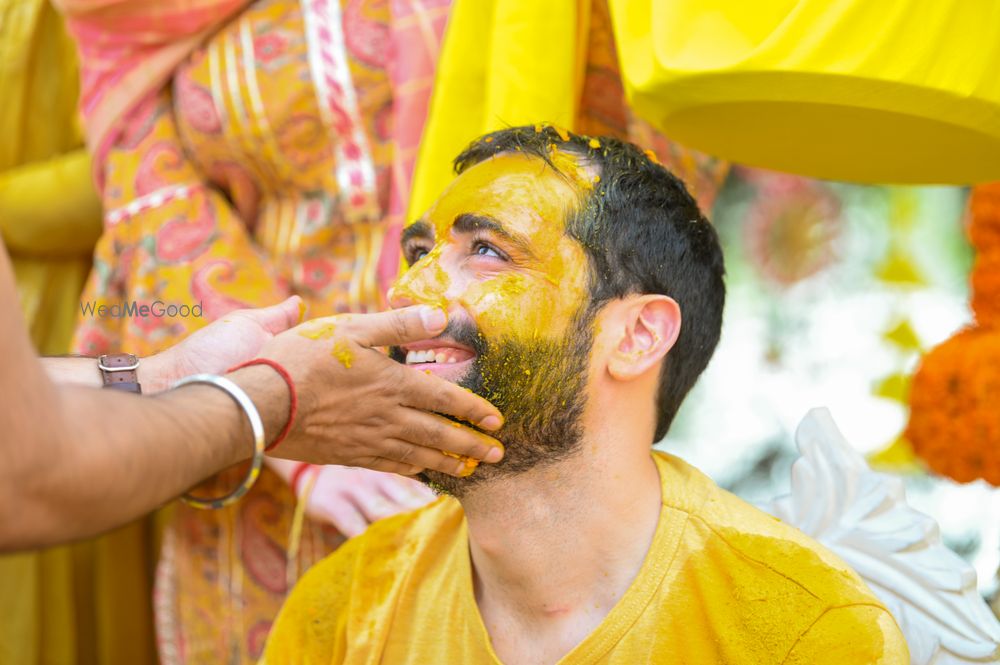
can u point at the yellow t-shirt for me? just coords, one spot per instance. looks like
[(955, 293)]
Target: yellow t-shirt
[(722, 583)]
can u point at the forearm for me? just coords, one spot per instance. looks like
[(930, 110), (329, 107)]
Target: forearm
[(75, 460), (101, 458), (152, 373)]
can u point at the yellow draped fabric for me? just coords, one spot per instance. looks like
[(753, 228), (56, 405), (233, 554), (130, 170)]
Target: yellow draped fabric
[(516, 62), (491, 73), (887, 91), (85, 603)]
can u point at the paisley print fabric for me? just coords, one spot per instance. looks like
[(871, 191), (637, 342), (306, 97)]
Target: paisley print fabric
[(224, 188)]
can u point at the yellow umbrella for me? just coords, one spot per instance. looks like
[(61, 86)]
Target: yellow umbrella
[(900, 91)]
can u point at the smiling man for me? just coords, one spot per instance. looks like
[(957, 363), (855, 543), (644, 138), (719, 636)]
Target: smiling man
[(585, 294)]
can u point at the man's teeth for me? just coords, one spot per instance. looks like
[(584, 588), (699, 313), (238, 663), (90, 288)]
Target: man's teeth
[(429, 356)]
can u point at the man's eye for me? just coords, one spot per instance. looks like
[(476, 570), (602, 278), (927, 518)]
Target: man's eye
[(484, 249), (417, 253)]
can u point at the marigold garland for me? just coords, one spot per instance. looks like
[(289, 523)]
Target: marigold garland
[(955, 395), (955, 420), (985, 282), (984, 233)]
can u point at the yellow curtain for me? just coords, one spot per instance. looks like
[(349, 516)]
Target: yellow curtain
[(89, 602)]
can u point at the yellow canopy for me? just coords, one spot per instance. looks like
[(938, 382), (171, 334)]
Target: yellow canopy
[(862, 90)]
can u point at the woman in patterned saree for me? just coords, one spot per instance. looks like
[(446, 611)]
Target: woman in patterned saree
[(242, 151), (245, 150)]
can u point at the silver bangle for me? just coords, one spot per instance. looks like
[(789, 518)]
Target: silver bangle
[(256, 426)]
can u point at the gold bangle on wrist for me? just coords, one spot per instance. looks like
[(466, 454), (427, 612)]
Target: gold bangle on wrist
[(256, 426)]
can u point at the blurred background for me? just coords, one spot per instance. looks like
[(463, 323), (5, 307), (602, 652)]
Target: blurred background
[(834, 292)]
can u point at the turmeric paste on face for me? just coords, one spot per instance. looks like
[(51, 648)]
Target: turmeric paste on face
[(530, 296)]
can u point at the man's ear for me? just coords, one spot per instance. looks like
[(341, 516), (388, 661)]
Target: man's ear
[(649, 326)]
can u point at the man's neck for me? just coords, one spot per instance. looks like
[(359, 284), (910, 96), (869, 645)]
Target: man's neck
[(555, 548)]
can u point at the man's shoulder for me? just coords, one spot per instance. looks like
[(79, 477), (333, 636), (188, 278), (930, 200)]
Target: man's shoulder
[(388, 545), (765, 582), (354, 585), (761, 542)]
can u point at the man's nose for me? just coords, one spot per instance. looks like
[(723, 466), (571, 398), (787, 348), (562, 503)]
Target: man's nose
[(399, 296), (413, 288)]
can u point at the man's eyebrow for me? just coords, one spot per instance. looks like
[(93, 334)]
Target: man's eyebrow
[(420, 229), (469, 222)]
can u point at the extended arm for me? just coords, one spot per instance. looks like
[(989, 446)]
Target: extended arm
[(76, 460)]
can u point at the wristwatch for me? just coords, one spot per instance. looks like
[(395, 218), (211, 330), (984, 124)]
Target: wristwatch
[(118, 371)]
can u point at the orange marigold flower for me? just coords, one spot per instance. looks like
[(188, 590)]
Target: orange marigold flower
[(984, 230), (985, 282), (954, 414), (954, 421)]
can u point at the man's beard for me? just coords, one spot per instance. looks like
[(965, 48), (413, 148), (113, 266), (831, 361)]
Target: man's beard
[(538, 386)]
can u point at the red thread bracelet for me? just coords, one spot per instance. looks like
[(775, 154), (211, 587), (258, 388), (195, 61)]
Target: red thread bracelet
[(293, 396), (296, 477)]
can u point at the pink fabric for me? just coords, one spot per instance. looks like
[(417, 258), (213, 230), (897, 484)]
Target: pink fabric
[(417, 30), (129, 49)]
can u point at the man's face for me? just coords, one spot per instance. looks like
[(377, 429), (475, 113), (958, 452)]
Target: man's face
[(494, 253)]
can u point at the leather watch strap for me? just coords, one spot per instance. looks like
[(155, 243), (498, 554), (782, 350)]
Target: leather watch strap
[(118, 370)]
